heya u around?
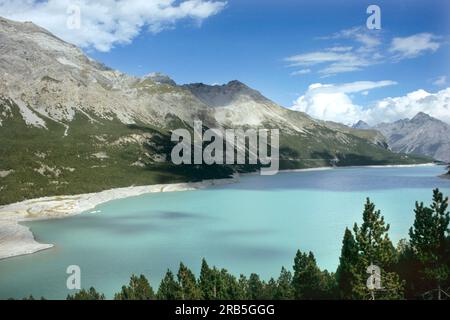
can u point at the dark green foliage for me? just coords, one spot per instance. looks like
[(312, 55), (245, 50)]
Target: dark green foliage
[(309, 282), (188, 284), (284, 290), (306, 281), (217, 284), (26, 149), (255, 287), (374, 248), (230, 289), (30, 297), (208, 282), (345, 274), (243, 287), (372, 238), (138, 289), (329, 286), (429, 240), (169, 289), (408, 268), (90, 294), (270, 289)]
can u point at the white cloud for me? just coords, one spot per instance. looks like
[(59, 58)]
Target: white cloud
[(339, 49), (318, 57), (351, 87), (105, 23), (355, 64), (334, 61), (368, 39), (300, 72), (440, 81), (415, 45), (391, 109), (342, 58), (335, 106), (358, 48), (332, 102)]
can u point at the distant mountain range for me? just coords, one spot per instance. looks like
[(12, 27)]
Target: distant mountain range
[(421, 135), (69, 124)]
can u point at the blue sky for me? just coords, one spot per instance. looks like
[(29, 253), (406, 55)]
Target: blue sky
[(263, 42), (250, 39)]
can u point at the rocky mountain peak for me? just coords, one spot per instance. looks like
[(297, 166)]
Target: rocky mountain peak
[(27, 25), (361, 125), (236, 84), (160, 78), (422, 117), (423, 135), (226, 94)]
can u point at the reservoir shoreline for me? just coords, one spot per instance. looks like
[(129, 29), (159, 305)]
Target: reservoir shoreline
[(17, 239)]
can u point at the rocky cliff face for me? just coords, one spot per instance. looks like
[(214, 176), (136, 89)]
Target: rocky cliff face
[(69, 124), (48, 77), (423, 135)]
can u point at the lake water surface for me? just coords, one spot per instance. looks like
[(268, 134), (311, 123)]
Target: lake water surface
[(255, 225)]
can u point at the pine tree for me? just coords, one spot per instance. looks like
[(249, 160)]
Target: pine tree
[(217, 284), (307, 280), (372, 237), (347, 269), (138, 289), (229, 288), (188, 284), (255, 287), (207, 282), (329, 286), (243, 288), (83, 294), (429, 239), (408, 268), (269, 290), (284, 286), (375, 248), (169, 289)]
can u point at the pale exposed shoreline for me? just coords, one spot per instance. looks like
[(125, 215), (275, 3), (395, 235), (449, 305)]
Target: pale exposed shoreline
[(348, 167), (17, 239)]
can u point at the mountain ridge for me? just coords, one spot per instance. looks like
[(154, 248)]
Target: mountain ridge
[(66, 119), (420, 135)]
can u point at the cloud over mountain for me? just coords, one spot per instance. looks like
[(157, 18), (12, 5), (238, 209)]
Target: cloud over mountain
[(333, 102), (392, 109), (105, 23)]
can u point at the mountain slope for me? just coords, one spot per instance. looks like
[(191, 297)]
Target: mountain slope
[(422, 135), (371, 135), (69, 124)]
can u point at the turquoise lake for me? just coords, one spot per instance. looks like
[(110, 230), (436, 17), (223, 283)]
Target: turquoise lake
[(255, 225)]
